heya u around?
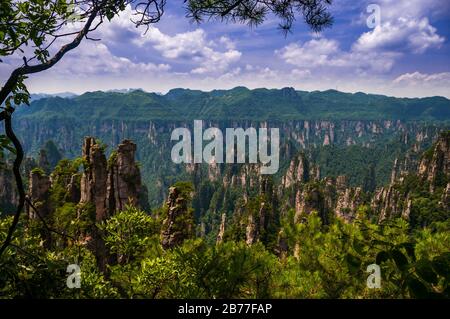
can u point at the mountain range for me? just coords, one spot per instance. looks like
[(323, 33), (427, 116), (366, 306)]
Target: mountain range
[(238, 103)]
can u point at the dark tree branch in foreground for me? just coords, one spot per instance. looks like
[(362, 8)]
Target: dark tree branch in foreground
[(16, 170), (16, 90), (29, 69), (11, 83)]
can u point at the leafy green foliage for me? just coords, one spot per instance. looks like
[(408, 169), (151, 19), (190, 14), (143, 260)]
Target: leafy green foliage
[(28, 270), (321, 261), (128, 233), (29, 23)]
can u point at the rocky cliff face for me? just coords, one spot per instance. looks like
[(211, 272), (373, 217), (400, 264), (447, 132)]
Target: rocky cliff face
[(334, 196), (73, 189), (110, 186), (178, 223), (298, 171), (325, 196), (255, 214), (124, 185), (433, 172), (257, 223), (302, 188), (94, 178), (328, 198), (308, 199), (388, 202), (446, 197), (435, 164), (221, 233), (153, 138), (39, 195), (348, 203), (301, 185), (105, 186)]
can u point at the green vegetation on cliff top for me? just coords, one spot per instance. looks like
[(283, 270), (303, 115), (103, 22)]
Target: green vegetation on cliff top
[(239, 103)]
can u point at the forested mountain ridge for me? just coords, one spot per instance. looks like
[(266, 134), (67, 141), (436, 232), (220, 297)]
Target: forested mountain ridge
[(239, 103)]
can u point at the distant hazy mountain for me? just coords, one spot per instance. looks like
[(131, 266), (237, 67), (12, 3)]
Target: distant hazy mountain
[(124, 90), (38, 96)]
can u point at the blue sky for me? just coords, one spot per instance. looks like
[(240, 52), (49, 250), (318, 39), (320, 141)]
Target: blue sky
[(407, 54)]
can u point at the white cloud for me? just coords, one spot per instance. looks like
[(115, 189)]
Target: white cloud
[(393, 9), (188, 44), (415, 84), (312, 53), (93, 58), (416, 34), (325, 53), (192, 46), (213, 61), (405, 25), (232, 74), (90, 58), (301, 73), (227, 42), (405, 28), (418, 79)]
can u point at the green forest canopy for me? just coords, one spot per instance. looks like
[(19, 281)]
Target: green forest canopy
[(238, 103)]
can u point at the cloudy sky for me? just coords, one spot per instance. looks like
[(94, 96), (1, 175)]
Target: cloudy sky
[(407, 54)]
